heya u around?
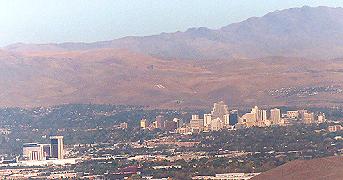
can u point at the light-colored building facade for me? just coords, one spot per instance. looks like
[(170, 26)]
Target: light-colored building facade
[(207, 120), (321, 118), (196, 124), (144, 124), (217, 124), (33, 151), (219, 110), (275, 116), (292, 114), (308, 117)]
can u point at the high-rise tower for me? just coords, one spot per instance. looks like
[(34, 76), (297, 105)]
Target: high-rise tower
[(56, 147)]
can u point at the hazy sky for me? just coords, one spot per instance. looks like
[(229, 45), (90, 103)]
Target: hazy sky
[(42, 21)]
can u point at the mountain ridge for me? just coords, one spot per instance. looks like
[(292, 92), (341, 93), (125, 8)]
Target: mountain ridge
[(313, 32)]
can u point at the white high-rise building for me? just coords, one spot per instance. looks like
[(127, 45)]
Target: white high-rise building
[(227, 119), (219, 110), (207, 120), (264, 115), (255, 111)]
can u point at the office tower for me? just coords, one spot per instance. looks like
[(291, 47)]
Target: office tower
[(32, 151), (144, 124), (159, 122), (308, 117), (56, 147), (219, 110), (170, 126), (207, 120), (227, 119), (263, 115), (217, 124), (233, 119), (301, 113), (179, 122), (275, 115), (321, 118), (255, 111), (46, 150), (196, 123), (292, 114)]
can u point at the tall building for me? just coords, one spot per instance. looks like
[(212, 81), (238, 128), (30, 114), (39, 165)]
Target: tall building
[(255, 111), (32, 151), (196, 124), (263, 115), (226, 119), (275, 115), (144, 124), (233, 119), (46, 150), (36, 152), (179, 122), (321, 118), (308, 117), (219, 110), (207, 120), (301, 114), (159, 122), (56, 149)]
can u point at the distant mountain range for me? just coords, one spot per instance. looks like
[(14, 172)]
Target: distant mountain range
[(297, 32), (288, 57)]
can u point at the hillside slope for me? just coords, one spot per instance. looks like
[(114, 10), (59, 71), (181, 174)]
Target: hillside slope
[(122, 77), (330, 168)]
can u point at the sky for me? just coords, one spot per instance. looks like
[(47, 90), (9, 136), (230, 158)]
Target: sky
[(56, 21)]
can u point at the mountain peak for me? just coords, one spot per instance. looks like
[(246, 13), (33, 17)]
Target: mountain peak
[(314, 32)]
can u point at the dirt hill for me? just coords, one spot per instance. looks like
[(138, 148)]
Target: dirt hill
[(330, 168)]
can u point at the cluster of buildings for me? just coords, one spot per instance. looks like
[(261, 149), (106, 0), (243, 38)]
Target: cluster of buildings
[(161, 123), (39, 152), (222, 118)]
